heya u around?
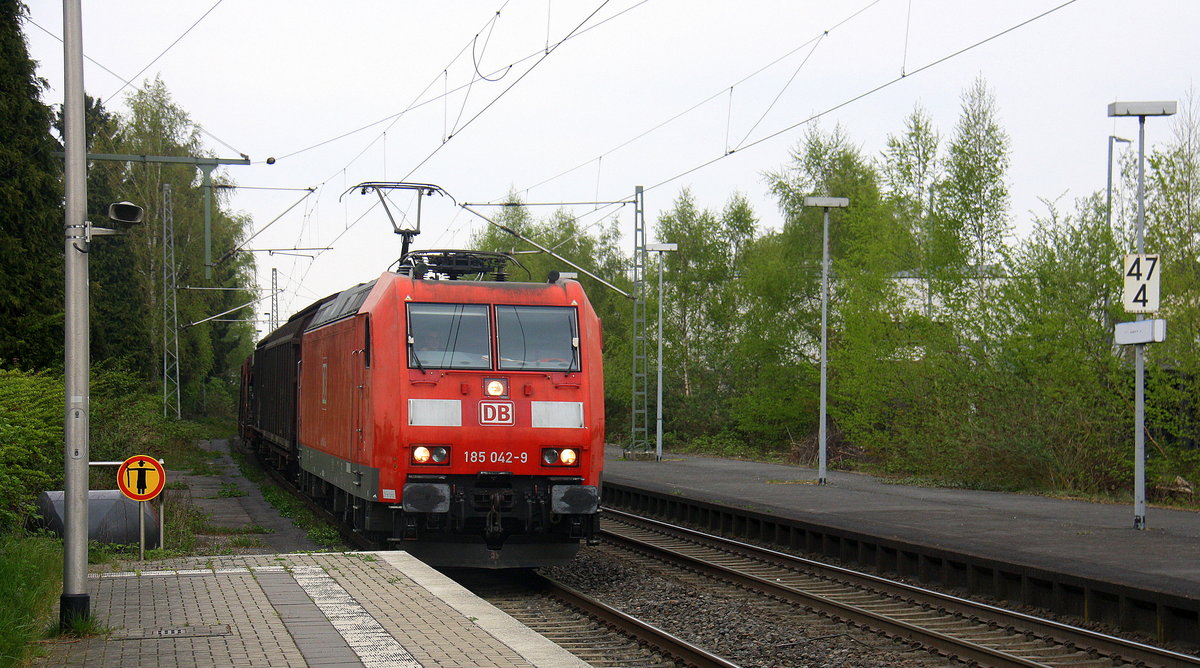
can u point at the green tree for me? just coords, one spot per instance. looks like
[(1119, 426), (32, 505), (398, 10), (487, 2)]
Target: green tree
[(1061, 406), (119, 317), (210, 351), (973, 198), (1173, 232), (31, 231), (780, 345), (910, 170), (594, 247), (701, 318)]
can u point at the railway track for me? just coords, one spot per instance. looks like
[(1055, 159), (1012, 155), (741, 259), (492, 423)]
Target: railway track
[(596, 633), (961, 629)]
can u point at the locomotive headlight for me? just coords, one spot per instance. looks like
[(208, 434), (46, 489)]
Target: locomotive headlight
[(495, 387), (430, 454), (560, 457)]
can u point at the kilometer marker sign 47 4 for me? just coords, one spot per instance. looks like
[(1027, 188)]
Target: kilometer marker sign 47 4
[(1141, 290)]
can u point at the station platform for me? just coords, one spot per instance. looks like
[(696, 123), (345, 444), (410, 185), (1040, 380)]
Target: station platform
[(1088, 540), (330, 610)]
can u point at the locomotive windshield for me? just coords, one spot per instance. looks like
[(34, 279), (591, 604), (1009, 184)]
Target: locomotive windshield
[(449, 336), (535, 338)]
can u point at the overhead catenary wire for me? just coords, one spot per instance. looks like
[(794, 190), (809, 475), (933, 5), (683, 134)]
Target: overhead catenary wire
[(907, 27), (415, 105), (264, 227), (496, 99), (817, 115), (728, 89), (129, 83), (865, 94), (577, 30), (164, 51), (782, 90), (448, 134)]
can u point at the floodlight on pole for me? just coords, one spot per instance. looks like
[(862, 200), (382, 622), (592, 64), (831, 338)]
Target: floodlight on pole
[(825, 203), (1141, 110), (658, 430)]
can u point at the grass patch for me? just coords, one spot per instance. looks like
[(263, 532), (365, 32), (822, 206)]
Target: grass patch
[(204, 466), (317, 529), (30, 582), (245, 541), (230, 490), (944, 483), (248, 530), (80, 627)]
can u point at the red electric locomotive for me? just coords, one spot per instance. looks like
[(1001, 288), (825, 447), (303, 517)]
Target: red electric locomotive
[(461, 420)]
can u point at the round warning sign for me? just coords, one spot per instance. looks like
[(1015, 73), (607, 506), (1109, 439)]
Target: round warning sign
[(141, 477)]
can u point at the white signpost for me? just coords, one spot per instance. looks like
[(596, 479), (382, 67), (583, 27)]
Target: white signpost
[(1140, 295), (1141, 284)]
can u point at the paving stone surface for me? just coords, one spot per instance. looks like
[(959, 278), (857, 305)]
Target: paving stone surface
[(285, 604)]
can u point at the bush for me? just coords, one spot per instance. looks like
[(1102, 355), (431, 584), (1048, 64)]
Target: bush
[(31, 441), (126, 419)]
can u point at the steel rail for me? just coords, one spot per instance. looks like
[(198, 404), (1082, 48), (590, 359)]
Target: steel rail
[(1071, 636), (680, 649)]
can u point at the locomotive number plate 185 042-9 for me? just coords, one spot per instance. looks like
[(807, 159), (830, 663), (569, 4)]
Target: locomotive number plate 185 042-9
[(496, 457)]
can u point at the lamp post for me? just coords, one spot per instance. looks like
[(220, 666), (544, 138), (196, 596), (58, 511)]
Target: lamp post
[(1108, 197), (825, 203), (660, 249), (1141, 110)]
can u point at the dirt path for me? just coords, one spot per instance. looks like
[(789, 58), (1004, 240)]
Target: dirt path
[(233, 502)]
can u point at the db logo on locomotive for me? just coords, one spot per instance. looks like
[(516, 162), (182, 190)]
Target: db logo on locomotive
[(496, 412)]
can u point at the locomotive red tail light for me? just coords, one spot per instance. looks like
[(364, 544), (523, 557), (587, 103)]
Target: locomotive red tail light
[(560, 457), (495, 387), (430, 454)]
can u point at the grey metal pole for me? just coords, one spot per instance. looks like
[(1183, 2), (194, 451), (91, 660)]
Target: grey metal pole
[(659, 385), (206, 183), (74, 603), (1108, 196), (824, 436), (162, 520), (141, 530), (1139, 355)]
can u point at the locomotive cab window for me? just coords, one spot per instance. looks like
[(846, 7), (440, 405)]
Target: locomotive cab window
[(448, 336), (538, 338)]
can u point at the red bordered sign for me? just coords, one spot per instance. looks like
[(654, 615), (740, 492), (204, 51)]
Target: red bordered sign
[(141, 477)]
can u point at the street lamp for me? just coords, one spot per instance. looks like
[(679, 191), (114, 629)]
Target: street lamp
[(825, 203), (1108, 198), (660, 249), (1141, 110)]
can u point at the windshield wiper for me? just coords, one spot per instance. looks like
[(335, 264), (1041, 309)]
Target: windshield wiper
[(416, 357)]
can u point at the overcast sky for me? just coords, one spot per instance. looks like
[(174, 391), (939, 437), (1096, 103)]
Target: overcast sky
[(294, 80)]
